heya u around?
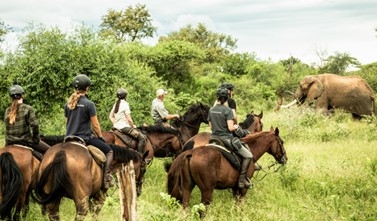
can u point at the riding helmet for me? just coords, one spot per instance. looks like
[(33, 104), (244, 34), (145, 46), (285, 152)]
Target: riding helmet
[(222, 92), (122, 93), (81, 82), (16, 91), (227, 85)]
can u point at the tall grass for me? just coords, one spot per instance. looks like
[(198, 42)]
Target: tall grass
[(331, 174)]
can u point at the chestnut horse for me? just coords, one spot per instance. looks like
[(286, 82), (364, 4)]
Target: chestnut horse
[(252, 123), (69, 170), (18, 174), (207, 167)]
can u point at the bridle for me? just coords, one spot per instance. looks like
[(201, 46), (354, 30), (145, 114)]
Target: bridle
[(281, 161)]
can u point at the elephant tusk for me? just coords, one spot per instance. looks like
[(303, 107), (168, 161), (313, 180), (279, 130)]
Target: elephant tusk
[(290, 104)]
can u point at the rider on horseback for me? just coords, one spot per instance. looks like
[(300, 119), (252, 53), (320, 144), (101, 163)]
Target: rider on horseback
[(81, 116), (159, 113), (21, 123), (221, 122), (120, 116)]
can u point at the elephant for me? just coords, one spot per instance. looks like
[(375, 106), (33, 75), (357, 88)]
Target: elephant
[(330, 91)]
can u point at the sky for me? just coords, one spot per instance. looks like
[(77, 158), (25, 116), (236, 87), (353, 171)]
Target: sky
[(271, 29)]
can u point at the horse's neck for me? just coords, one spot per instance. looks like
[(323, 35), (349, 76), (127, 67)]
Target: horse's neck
[(186, 132), (159, 140), (259, 147)]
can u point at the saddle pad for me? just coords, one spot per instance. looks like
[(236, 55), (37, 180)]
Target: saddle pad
[(97, 154), (233, 158)]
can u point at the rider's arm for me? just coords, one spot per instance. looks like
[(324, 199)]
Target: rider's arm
[(112, 116), (172, 116), (231, 126), (130, 121), (96, 126)]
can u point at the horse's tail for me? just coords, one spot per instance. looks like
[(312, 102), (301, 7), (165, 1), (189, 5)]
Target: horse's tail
[(12, 180), (177, 175), (55, 175), (188, 146)]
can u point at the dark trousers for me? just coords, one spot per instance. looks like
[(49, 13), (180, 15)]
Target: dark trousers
[(104, 147)]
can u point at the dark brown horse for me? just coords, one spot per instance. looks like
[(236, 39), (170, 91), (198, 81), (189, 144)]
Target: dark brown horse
[(18, 173), (158, 137), (207, 168), (69, 170), (164, 141), (253, 123)]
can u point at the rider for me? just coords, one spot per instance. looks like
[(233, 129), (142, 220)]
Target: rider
[(231, 103), (159, 113), (221, 122), (21, 123), (81, 116), (120, 116)]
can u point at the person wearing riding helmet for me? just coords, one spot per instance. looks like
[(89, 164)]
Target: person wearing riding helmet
[(120, 116), (81, 118), (221, 122), (231, 103), (21, 123), (159, 113)]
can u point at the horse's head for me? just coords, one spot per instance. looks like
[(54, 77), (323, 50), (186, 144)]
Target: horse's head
[(277, 148), (253, 122)]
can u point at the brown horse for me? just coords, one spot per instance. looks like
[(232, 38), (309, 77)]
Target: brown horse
[(207, 167), (18, 173), (252, 123), (158, 137), (69, 170), (164, 141)]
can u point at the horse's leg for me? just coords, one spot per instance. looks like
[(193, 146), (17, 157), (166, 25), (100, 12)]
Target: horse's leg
[(82, 208), (97, 202), (52, 210)]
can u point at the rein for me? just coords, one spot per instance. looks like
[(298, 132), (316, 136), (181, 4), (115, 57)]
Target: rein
[(267, 172)]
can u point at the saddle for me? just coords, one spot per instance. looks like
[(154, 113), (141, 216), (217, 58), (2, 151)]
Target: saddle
[(96, 153), (122, 136), (226, 148)]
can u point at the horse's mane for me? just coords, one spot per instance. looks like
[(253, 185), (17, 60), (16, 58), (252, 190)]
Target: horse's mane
[(158, 129), (247, 122), (255, 136), (124, 153), (192, 110)]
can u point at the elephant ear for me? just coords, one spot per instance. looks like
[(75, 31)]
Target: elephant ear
[(315, 89)]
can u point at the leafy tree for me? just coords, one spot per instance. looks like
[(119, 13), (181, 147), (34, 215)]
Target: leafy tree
[(338, 63), (235, 64), (4, 29), (131, 24), (215, 45)]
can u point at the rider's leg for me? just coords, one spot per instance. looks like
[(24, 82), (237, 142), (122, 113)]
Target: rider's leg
[(244, 152)]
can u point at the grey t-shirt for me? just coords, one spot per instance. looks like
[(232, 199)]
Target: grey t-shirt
[(218, 116), (158, 111)]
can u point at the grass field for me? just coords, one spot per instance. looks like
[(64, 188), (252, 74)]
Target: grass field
[(331, 174)]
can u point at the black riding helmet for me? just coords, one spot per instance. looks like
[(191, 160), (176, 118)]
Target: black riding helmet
[(122, 93), (81, 82), (222, 92), (16, 91), (227, 85)]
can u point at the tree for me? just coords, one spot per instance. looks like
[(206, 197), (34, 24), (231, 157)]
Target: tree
[(129, 25), (4, 29), (216, 45), (338, 63)]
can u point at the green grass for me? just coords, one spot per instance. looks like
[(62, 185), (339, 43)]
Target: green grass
[(331, 174)]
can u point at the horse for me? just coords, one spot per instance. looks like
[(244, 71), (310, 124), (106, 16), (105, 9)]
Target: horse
[(252, 123), (165, 141), (207, 167), (18, 173), (69, 170), (158, 137)]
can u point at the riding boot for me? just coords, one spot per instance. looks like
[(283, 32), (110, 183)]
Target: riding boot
[(41, 147), (243, 181), (141, 143), (107, 178)]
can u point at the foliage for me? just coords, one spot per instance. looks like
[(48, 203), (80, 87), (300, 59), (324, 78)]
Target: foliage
[(131, 24), (338, 63), (216, 45), (4, 29)]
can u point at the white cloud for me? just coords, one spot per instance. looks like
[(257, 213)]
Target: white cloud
[(273, 29)]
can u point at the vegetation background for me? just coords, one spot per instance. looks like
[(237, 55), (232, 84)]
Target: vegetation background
[(332, 168)]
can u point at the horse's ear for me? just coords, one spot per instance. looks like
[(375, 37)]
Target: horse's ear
[(277, 131), (260, 115)]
